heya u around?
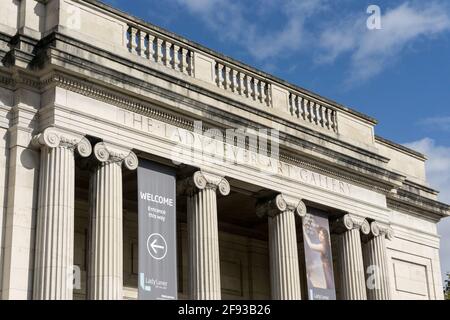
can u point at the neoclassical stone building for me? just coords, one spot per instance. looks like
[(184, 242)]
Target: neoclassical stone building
[(88, 92)]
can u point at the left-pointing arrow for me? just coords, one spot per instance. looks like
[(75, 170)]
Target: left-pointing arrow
[(153, 245)]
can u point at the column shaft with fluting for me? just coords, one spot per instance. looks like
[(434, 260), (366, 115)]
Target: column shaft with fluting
[(203, 235), (284, 264), (105, 272), (351, 265), (54, 249), (378, 285)]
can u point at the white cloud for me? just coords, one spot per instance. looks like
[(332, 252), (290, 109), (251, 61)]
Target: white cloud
[(246, 23), (438, 175), (438, 165), (317, 28), (372, 50), (439, 123)]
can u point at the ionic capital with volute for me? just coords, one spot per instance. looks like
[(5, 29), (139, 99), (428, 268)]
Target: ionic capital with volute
[(55, 137), (378, 229), (106, 152), (201, 180), (349, 222), (279, 204)]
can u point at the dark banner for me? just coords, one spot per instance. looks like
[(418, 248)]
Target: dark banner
[(318, 257), (157, 231)]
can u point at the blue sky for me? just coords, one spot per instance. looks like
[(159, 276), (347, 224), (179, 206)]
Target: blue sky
[(399, 74)]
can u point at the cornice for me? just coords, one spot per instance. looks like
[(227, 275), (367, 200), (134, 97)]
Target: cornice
[(388, 177), (50, 40), (146, 109), (6, 80), (17, 79), (417, 205), (401, 148), (415, 186)]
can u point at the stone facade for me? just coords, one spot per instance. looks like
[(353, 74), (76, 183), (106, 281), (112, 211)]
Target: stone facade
[(87, 90)]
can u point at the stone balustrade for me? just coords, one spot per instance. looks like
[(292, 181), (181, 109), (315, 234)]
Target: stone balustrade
[(159, 49), (242, 83), (311, 111), (232, 78)]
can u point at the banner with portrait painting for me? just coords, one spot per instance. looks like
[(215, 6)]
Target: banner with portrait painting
[(318, 256)]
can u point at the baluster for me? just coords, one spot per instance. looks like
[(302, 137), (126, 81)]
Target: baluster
[(318, 106), (269, 95), (220, 75), (225, 71), (229, 79), (301, 107), (166, 57), (147, 45), (265, 92), (183, 60), (128, 35), (176, 61), (191, 62), (141, 43), (315, 115), (217, 73), (248, 84), (151, 47), (254, 89), (159, 57), (291, 104), (132, 43), (322, 116), (334, 121), (260, 88), (233, 80), (307, 110), (241, 84), (329, 114)]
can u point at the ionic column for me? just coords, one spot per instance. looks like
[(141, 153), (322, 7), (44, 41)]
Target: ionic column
[(352, 275), (284, 266), (204, 260), (378, 286), (105, 271), (55, 215)]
